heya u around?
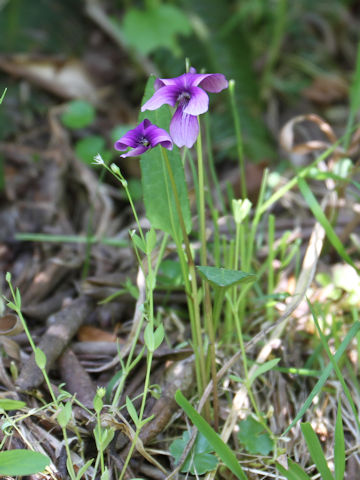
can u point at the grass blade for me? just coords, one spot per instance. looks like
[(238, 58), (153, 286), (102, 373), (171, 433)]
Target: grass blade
[(3, 96), (339, 448), (350, 335), (316, 452), (294, 472), (321, 218), (221, 449)]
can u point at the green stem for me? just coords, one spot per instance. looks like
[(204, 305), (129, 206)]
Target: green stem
[(201, 190), (193, 301), (239, 139)]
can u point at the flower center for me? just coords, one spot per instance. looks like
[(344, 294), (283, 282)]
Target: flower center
[(144, 141), (183, 98)]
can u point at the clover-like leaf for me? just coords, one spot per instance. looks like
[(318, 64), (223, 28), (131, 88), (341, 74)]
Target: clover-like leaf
[(147, 30), (223, 277), (200, 460), (254, 438)]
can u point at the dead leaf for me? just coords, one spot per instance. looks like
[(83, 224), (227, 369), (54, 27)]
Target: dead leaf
[(87, 333), (326, 89), (66, 78)]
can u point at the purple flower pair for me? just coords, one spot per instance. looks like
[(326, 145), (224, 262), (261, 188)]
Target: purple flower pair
[(187, 94)]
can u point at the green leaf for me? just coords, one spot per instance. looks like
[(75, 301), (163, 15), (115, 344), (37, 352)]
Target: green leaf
[(22, 462), (158, 193), (199, 460), (12, 306), (88, 147), (150, 240), (223, 277), (138, 241), (83, 469), (18, 298), (316, 452), (64, 415), (339, 448), (40, 358), (149, 338), (263, 368), (147, 30), (254, 438), (132, 411), (9, 404), (220, 448), (78, 114), (159, 336), (169, 274), (294, 472)]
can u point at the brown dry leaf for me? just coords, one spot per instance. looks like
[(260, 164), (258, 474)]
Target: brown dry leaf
[(288, 134), (10, 324), (326, 89), (87, 333), (66, 78)]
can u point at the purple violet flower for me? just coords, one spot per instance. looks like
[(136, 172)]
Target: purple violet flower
[(146, 135), (187, 92)]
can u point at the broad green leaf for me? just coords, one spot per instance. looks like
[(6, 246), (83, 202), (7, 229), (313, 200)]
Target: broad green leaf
[(88, 147), (147, 30), (157, 188), (339, 447), (78, 114), (328, 369), (199, 459), (220, 448), (254, 438), (263, 368), (316, 452), (222, 277), (9, 404), (294, 472), (321, 218), (169, 274), (22, 462)]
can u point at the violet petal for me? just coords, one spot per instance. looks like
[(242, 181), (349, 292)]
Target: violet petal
[(167, 94), (184, 128), (211, 82), (198, 103), (136, 151), (157, 135)]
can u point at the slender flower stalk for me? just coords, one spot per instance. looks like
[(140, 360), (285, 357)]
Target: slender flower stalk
[(193, 300)]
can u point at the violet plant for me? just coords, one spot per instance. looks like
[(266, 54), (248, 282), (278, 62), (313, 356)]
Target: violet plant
[(165, 173)]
